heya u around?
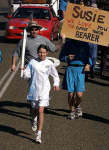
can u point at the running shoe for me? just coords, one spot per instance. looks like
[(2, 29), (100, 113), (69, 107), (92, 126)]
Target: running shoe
[(38, 138), (71, 116), (34, 124), (78, 112)]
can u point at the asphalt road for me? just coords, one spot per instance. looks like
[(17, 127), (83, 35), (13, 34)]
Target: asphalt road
[(91, 132)]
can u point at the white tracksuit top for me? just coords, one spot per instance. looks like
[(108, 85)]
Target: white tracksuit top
[(38, 72)]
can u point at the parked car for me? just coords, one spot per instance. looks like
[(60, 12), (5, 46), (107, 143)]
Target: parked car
[(43, 14), (14, 4)]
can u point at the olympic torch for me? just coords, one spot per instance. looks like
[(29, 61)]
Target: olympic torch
[(23, 52)]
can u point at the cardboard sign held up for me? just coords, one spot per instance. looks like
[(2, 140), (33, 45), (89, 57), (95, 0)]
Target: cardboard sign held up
[(86, 24)]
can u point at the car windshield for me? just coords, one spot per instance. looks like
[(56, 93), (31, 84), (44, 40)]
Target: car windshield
[(36, 13), (16, 1)]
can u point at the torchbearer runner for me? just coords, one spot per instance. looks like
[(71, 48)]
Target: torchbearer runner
[(38, 71)]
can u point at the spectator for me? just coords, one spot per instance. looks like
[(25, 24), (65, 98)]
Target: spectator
[(76, 54), (93, 53), (63, 6), (64, 3), (32, 44)]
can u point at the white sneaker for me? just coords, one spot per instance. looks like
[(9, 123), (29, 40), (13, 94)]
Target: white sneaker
[(78, 112), (71, 116), (38, 138), (34, 124)]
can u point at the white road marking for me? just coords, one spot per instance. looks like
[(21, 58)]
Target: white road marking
[(4, 77), (8, 81)]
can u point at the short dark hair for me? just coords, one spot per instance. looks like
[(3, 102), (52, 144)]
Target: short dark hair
[(44, 47)]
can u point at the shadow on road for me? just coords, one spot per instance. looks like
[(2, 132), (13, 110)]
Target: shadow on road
[(98, 82), (8, 41), (14, 113), (13, 131), (2, 39), (2, 25), (52, 111), (4, 14), (95, 118), (105, 78), (14, 104), (48, 110), (85, 115)]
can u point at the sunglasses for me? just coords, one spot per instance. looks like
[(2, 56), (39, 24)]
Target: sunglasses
[(34, 29)]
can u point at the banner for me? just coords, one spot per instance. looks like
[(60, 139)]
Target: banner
[(86, 24)]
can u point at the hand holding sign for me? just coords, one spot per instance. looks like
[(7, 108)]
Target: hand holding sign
[(86, 24)]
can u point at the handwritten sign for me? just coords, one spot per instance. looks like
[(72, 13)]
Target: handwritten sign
[(86, 24)]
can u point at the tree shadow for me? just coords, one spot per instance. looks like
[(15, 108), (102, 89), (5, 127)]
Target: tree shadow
[(3, 39), (98, 82), (14, 104), (4, 14), (87, 116), (13, 131), (4, 110), (105, 77), (95, 118), (55, 112), (3, 25), (3, 9), (14, 113)]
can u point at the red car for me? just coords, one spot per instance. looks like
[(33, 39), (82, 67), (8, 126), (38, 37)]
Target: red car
[(43, 14)]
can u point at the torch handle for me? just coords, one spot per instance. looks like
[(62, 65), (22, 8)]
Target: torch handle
[(23, 52)]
